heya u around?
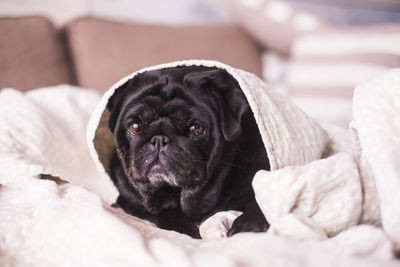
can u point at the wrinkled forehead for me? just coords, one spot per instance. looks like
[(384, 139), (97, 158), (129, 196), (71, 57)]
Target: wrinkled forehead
[(165, 95)]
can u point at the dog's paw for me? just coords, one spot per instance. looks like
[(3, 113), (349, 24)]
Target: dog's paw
[(246, 223), (191, 230), (175, 220)]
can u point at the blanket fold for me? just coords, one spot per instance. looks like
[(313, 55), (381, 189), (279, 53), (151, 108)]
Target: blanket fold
[(331, 199), (376, 129)]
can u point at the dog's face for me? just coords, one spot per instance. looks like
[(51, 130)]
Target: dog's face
[(176, 131)]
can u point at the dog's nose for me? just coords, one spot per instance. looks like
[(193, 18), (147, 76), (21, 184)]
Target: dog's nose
[(159, 142)]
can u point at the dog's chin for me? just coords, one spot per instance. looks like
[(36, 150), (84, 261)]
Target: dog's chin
[(159, 176)]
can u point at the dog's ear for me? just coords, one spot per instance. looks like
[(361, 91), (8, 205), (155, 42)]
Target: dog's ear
[(232, 100)]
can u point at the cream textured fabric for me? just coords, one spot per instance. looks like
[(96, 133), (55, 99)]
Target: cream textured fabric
[(330, 199), (376, 127), (41, 134), (64, 218)]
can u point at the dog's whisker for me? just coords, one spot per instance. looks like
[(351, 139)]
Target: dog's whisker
[(199, 160), (231, 164), (221, 161)]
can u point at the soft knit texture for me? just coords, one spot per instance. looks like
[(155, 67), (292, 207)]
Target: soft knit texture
[(322, 190)]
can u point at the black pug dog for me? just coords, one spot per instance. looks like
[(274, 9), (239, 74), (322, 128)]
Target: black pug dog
[(187, 146)]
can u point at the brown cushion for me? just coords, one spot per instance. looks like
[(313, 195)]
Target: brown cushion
[(105, 51), (31, 54)]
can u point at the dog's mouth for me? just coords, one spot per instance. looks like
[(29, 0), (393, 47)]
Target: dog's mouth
[(167, 171)]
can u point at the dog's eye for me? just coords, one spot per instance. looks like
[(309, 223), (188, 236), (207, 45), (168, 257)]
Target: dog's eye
[(134, 129), (196, 130)]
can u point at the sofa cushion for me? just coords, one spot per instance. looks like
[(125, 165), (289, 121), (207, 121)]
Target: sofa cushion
[(104, 51), (31, 54)]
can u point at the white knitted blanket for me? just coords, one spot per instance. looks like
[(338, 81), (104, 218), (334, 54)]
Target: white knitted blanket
[(341, 208)]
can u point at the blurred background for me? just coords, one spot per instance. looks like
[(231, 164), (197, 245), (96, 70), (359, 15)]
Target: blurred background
[(339, 12), (148, 11), (316, 51)]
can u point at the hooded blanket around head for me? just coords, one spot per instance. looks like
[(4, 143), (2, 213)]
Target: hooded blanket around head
[(56, 195), (289, 135)]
